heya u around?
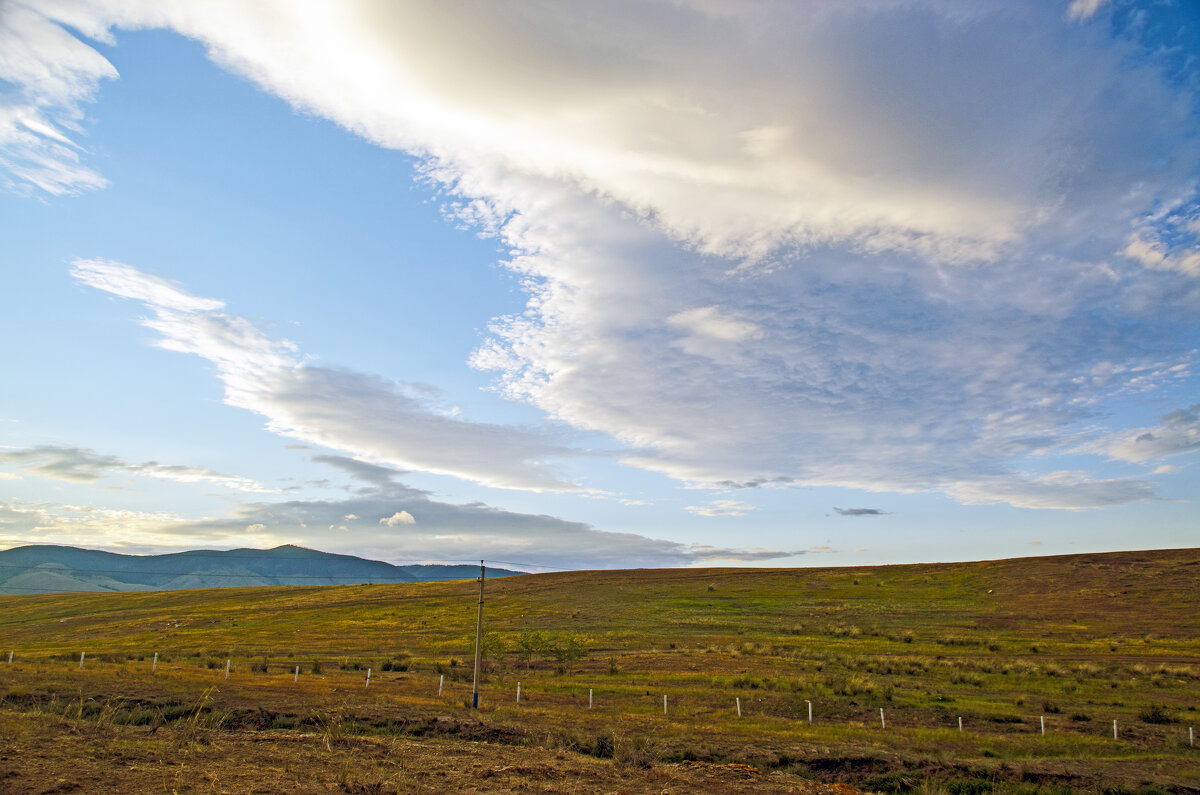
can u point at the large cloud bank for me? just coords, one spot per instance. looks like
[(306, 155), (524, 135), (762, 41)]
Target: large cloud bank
[(888, 245)]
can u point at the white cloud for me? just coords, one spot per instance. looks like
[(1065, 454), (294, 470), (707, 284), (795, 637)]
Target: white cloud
[(890, 246), (48, 74), (446, 532), (79, 465), (1178, 433), (721, 508), (373, 417), (1056, 490), (398, 518), (1084, 9)]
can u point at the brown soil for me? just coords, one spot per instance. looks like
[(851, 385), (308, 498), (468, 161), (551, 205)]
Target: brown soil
[(44, 755)]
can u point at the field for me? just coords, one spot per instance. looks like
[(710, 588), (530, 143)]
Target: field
[(1072, 643)]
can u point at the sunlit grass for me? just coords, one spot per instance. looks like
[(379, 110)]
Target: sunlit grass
[(998, 644)]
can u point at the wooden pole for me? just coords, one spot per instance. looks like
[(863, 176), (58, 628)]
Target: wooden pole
[(478, 641)]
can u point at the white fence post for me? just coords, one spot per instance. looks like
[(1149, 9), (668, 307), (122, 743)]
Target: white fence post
[(1043, 725), (441, 681), (960, 722), (368, 677), (296, 678), (1191, 737), (1114, 728), (809, 711), (739, 706), (518, 692), (228, 662), (154, 665), (589, 698), (664, 703), (882, 722), (10, 654), (81, 655)]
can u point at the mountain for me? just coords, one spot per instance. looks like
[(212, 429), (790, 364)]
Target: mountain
[(57, 569)]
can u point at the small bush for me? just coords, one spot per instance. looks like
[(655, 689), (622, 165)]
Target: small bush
[(1155, 713), (604, 746)]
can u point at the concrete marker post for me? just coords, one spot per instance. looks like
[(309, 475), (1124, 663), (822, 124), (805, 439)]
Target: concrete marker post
[(960, 723), (1115, 729), (81, 655), (518, 692), (664, 703), (368, 677), (882, 722), (1191, 738), (228, 662), (296, 678), (10, 654), (154, 665), (809, 711), (1043, 725), (589, 698), (739, 706), (441, 681)]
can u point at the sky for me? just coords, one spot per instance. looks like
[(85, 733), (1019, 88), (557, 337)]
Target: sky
[(597, 285)]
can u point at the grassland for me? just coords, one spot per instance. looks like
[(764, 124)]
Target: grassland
[(1076, 641)]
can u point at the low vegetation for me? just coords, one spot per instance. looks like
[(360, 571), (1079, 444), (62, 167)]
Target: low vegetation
[(890, 659)]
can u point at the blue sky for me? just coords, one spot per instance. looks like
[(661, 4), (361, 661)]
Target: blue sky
[(571, 285)]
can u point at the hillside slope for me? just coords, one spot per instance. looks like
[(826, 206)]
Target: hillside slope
[(63, 569)]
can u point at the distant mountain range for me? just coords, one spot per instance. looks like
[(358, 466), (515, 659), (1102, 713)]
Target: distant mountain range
[(56, 569)]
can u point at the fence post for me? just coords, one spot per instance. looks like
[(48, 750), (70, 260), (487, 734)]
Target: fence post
[(81, 654), (809, 711), (518, 692), (739, 706), (10, 654), (368, 677), (441, 681), (228, 661), (1043, 725), (296, 678), (154, 665), (664, 703), (1115, 728), (882, 722), (960, 722), (589, 698)]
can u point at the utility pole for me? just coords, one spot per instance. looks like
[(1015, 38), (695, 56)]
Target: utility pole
[(478, 641)]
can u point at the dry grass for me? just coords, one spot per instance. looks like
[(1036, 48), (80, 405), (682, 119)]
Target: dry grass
[(1084, 640)]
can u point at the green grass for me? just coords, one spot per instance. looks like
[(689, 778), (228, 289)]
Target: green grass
[(1082, 640)]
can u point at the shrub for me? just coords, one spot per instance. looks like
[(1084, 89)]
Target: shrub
[(604, 745), (1155, 713)]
